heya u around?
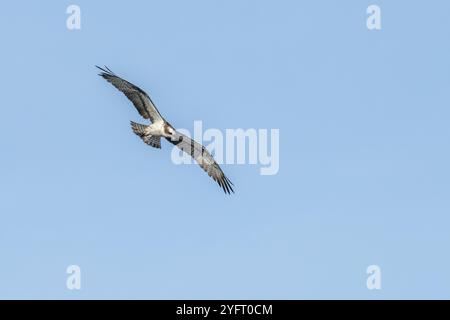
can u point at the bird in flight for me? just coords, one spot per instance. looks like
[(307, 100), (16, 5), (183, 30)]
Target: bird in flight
[(160, 128)]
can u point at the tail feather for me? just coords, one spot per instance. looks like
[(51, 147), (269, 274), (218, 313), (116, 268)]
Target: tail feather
[(139, 129), (153, 141)]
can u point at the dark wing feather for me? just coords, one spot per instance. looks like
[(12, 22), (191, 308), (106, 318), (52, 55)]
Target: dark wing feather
[(138, 97), (203, 158)]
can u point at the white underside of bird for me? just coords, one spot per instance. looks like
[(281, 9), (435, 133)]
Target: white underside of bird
[(160, 129)]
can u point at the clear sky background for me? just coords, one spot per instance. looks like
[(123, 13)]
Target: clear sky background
[(364, 150)]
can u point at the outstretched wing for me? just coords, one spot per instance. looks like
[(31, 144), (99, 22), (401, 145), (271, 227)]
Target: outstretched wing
[(140, 99), (203, 158)]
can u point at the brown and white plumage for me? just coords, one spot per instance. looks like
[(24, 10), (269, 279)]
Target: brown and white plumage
[(140, 99), (203, 158), (151, 134)]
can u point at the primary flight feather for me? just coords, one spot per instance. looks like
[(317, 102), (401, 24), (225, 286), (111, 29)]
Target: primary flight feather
[(160, 128)]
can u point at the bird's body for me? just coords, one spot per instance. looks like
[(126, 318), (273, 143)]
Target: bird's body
[(160, 128)]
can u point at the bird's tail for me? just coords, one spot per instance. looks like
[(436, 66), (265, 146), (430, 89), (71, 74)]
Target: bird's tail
[(139, 129)]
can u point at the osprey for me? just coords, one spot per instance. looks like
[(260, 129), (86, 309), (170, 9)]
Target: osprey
[(160, 128)]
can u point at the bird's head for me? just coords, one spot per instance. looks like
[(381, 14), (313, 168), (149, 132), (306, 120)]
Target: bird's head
[(168, 130)]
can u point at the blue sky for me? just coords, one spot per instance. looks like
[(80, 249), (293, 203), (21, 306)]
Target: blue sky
[(364, 150)]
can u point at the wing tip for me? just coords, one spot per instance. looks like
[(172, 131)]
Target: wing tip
[(226, 185), (106, 72)]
